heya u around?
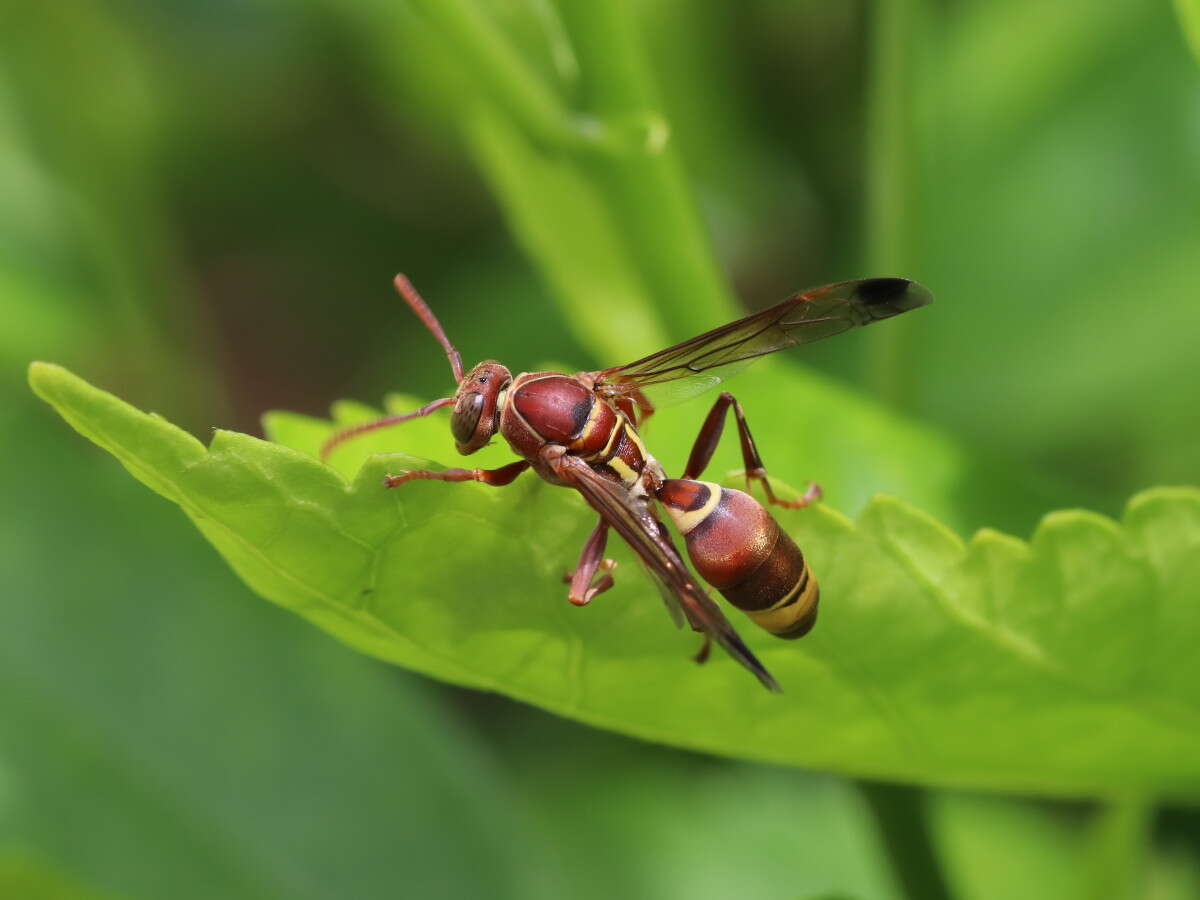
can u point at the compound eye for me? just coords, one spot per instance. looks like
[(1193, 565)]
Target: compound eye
[(466, 417)]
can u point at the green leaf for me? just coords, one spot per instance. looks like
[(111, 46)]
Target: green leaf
[(1062, 665), (26, 875), (164, 734), (997, 847), (635, 797), (144, 678), (994, 848), (1189, 21), (1018, 178), (985, 100)]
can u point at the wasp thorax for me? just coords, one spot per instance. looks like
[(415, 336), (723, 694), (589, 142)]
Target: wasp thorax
[(477, 406)]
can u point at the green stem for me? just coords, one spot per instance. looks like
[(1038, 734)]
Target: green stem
[(645, 186), (507, 79), (617, 142), (891, 180), (562, 222), (1120, 834)]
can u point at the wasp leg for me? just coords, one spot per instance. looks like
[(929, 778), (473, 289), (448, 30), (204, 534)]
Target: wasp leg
[(591, 560), (710, 436), (495, 477), (702, 654)]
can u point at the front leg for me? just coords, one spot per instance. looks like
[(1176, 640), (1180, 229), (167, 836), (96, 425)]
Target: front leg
[(591, 560), (710, 436), (495, 477)]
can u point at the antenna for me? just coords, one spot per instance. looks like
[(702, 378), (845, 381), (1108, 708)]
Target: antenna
[(356, 430), (425, 314)]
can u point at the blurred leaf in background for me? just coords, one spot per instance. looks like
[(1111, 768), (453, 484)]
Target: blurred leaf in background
[(1062, 215), (161, 736), (202, 208)]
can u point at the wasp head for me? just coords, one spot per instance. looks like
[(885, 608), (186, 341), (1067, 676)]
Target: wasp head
[(478, 404)]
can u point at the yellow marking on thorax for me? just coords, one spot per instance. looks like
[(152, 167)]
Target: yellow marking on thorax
[(618, 465), (687, 519), (623, 469), (636, 438), (614, 433)]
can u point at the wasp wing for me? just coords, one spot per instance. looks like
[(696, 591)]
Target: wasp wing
[(678, 616), (710, 358), (649, 539)]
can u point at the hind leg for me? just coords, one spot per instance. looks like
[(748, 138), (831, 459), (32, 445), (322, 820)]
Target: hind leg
[(710, 436)]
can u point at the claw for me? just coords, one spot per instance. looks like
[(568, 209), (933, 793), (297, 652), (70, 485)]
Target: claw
[(810, 496), (598, 585)]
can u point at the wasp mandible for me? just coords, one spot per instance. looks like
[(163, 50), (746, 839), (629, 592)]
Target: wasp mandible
[(581, 431)]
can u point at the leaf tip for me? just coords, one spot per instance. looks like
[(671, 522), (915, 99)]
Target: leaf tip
[(1165, 494), (889, 512), (1073, 519), (43, 376), (992, 544)]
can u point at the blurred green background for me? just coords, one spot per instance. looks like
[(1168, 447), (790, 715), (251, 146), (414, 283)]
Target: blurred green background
[(201, 208)]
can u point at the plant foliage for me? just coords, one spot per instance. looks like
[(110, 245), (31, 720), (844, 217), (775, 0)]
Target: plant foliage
[(1059, 665)]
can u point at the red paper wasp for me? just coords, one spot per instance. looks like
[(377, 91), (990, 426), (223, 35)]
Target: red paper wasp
[(580, 431)]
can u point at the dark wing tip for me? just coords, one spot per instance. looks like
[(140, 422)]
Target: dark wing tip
[(768, 681), (884, 297), (743, 654)]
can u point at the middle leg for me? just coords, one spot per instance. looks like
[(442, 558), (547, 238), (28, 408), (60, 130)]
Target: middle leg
[(710, 436), (591, 560)]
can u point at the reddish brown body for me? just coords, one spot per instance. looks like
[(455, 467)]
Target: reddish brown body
[(581, 431), (734, 543)]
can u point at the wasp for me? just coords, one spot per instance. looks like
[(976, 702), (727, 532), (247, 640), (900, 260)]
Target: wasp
[(581, 431)]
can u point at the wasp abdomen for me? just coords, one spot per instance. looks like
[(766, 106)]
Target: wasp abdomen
[(738, 548)]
